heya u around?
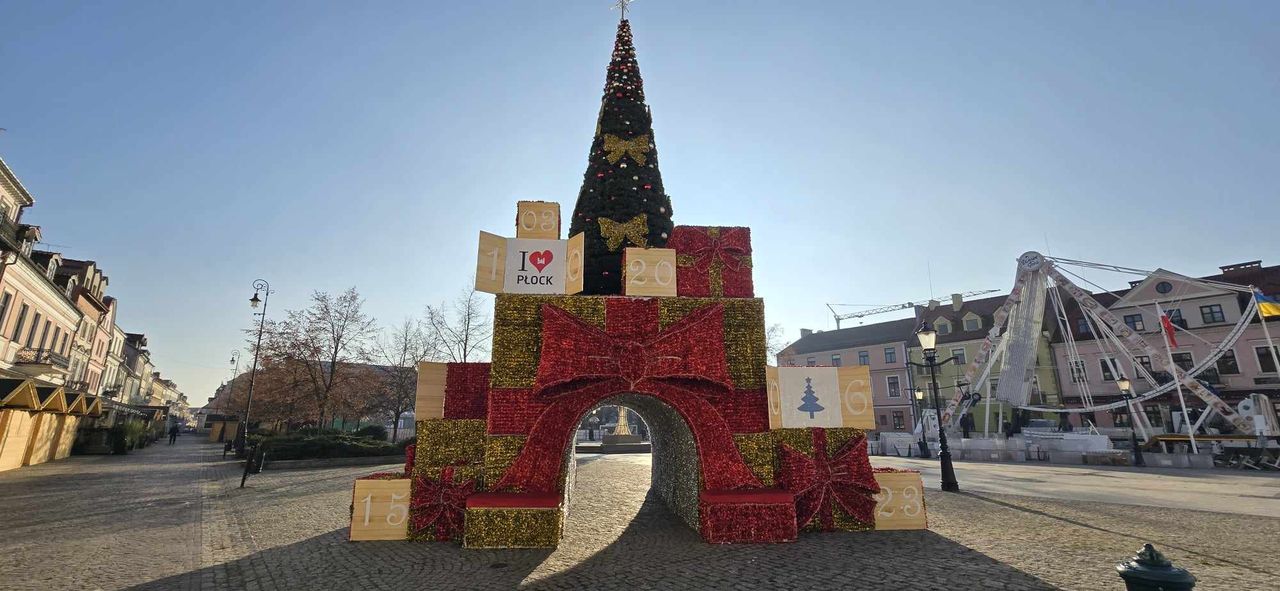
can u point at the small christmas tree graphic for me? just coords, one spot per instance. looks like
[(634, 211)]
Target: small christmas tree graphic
[(810, 399)]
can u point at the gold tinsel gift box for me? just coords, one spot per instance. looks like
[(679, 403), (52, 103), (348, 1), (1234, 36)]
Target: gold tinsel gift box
[(513, 520)]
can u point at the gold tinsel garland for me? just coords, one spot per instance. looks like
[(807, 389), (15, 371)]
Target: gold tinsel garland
[(449, 442), (512, 528), (517, 333), (760, 450), (744, 343), (499, 452)]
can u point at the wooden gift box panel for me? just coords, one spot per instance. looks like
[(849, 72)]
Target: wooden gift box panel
[(900, 503)]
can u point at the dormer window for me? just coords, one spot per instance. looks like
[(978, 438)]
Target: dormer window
[(71, 287), (27, 246), (943, 326), (53, 268), (972, 322)]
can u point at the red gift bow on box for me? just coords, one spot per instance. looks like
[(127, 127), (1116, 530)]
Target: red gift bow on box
[(576, 354), (440, 505), (731, 247), (821, 482)]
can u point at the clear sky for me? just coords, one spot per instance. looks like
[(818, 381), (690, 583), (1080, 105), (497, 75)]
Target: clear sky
[(192, 147)]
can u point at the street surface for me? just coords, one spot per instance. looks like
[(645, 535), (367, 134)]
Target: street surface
[(171, 518)]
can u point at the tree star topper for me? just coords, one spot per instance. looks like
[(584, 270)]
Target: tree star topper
[(621, 5)]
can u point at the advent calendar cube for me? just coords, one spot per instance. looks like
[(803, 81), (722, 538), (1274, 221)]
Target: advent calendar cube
[(713, 261)]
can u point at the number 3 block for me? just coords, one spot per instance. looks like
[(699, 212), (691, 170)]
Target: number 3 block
[(380, 510), (649, 272), (900, 503), (538, 219)]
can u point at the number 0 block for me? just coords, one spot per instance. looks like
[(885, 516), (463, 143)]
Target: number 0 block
[(380, 510), (900, 503), (649, 272), (538, 219)]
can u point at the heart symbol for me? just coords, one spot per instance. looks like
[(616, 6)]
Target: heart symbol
[(540, 259)]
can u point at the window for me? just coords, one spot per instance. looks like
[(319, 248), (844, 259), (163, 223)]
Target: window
[(864, 358), (1227, 363), (4, 307), (53, 345), (22, 320), (64, 342), (44, 334), (1176, 319), (1120, 417), (1078, 373), (810, 362), (1135, 322), (972, 323), (890, 354), (1183, 360), (835, 360), (1144, 361), (958, 353), (31, 335), (898, 423), (943, 327), (1082, 326), (1164, 287), (921, 370), (1106, 364), (1212, 313), (1265, 362), (895, 389), (884, 420)]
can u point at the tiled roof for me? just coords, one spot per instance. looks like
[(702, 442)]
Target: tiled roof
[(857, 336)]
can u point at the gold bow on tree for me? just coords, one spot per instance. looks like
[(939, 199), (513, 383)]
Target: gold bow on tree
[(636, 231), (617, 147)]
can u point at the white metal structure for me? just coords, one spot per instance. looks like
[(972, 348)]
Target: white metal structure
[(891, 308), (1015, 333)]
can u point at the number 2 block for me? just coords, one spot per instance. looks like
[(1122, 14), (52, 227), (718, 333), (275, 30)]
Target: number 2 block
[(380, 510), (649, 272)]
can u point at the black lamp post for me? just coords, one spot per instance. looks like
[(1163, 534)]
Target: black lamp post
[(1125, 393), (928, 338), (919, 404), (260, 286)]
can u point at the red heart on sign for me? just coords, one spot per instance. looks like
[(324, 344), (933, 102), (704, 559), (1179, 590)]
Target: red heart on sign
[(540, 259)]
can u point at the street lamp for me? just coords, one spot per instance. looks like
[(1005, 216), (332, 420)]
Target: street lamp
[(1125, 392), (260, 286), (919, 403), (928, 338)]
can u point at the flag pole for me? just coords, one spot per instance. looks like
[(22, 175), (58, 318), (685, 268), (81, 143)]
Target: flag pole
[(1182, 401)]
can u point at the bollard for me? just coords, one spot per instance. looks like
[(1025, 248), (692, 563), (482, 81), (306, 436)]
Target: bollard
[(1149, 570)]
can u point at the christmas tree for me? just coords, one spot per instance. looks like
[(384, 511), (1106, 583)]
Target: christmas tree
[(621, 202), (810, 400)]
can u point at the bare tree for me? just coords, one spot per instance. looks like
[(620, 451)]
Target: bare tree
[(324, 339), (460, 331), (400, 351), (774, 342)]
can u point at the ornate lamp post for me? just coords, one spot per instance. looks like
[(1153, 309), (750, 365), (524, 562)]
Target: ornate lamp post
[(260, 286), (919, 404), (1127, 394), (928, 338)]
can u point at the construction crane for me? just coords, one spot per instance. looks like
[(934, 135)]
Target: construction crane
[(882, 309)]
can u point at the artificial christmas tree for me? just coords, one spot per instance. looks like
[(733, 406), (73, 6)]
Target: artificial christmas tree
[(621, 202)]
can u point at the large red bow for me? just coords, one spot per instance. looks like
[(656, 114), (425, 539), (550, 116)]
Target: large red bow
[(439, 506), (576, 354), (730, 246), (821, 483)]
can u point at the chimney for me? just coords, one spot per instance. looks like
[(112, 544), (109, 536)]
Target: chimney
[(804, 332), (933, 304), (957, 302)]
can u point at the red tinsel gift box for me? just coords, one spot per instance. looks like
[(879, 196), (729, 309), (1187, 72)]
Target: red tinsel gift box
[(712, 261), (754, 515)]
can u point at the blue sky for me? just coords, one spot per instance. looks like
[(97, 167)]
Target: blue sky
[(193, 147)]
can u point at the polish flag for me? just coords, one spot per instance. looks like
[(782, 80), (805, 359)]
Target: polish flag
[(1168, 330)]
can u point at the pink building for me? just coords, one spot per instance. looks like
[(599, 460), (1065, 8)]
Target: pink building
[(1208, 313)]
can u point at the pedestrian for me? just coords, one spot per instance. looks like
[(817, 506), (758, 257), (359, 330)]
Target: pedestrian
[(173, 434)]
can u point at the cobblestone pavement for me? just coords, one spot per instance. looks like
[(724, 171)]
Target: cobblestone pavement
[(172, 518)]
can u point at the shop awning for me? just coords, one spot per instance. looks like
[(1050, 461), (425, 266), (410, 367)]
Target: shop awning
[(15, 393), (76, 404), (93, 406), (52, 398)]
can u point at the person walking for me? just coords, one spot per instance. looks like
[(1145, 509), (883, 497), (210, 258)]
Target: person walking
[(173, 434)]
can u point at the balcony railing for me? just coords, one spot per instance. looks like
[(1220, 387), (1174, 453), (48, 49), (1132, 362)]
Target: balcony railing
[(76, 386), (42, 357)]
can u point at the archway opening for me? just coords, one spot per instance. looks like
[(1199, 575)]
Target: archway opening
[(656, 470)]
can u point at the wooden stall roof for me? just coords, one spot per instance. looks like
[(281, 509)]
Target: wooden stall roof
[(93, 406), (15, 393), (52, 398), (76, 404)]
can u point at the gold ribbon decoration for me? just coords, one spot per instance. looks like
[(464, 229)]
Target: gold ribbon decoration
[(636, 231), (616, 147)]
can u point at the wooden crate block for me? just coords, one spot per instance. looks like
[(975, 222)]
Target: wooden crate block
[(429, 400), (41, 443), (649, 272), (538, 219), (856, 409), (900, 503), (380, 510), (17, 435)]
